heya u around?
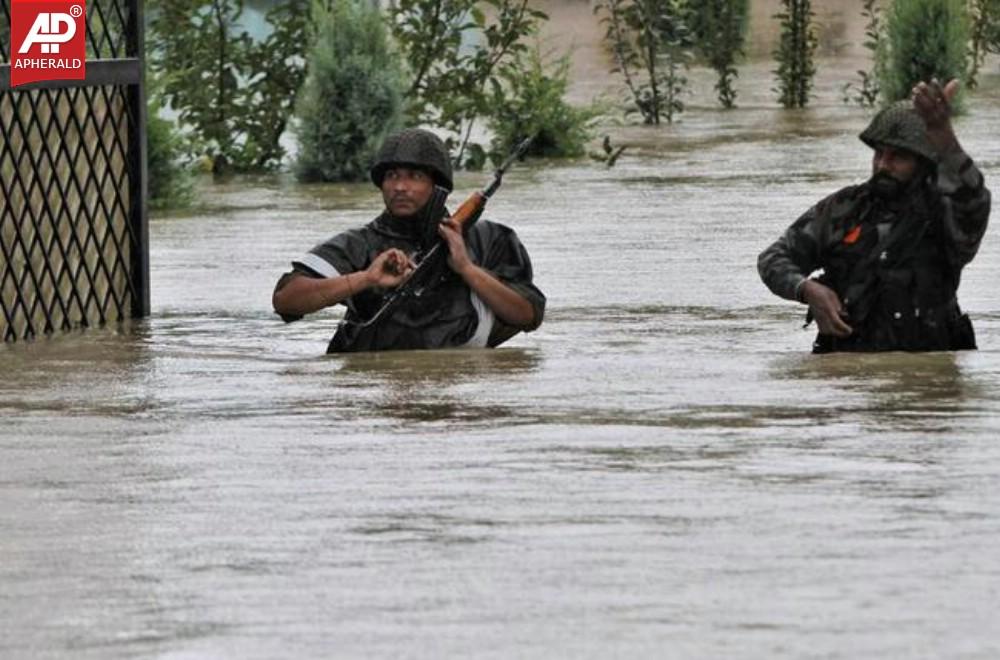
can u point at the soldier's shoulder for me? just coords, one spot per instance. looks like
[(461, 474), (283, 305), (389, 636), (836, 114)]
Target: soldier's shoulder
[(490, 230), (841, 201)]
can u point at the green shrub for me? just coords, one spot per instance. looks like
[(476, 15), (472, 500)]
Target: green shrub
[(866, 91), (233, 92), (984, 18), (169, 180), (458, 52), (533, 103), (652, 47), (719, 28), (795, 52), (353, 94), (924, 39)]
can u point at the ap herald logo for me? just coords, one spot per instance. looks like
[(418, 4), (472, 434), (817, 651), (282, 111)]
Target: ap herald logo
[(48, 41)]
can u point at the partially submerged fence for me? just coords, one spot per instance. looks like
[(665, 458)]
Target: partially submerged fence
[(73, 228)]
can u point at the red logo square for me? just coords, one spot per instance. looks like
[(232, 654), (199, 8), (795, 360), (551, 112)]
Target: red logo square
[(48, 40)]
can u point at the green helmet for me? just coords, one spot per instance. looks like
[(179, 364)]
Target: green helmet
[(899, 125), (417, 148)]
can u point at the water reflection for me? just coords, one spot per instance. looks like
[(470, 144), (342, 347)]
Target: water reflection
[(436, 367), (898, 381), (434, 386), (94, 371)]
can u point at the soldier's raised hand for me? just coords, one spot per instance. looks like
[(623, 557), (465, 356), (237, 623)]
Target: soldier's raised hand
[(932, 101)]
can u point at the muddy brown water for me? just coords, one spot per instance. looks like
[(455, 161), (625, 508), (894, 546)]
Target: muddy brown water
[(661, 470)]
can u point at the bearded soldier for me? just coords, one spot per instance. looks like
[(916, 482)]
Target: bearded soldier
[(891, 249), (482, 297)]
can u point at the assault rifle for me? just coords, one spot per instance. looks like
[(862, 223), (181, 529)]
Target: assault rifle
[(429, 267)]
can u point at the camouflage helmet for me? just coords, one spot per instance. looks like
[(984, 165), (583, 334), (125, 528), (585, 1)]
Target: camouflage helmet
[(413, 147), (899, 125)]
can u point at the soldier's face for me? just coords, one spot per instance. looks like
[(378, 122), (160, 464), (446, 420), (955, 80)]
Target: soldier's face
[(406, 190), (900, 164)]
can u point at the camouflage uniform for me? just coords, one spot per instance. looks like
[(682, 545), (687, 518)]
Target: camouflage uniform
[(449, 313), (895, 264)]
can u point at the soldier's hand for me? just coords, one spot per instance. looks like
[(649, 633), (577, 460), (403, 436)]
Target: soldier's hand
[(390, 269), (827, 309), (932, 101), (458, 254)]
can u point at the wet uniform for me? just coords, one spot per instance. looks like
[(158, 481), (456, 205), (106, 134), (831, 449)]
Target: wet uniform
[(895, 264), (449, 313)]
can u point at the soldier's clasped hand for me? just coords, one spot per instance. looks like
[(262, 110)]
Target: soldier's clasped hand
[(827, 309), (390, 269)]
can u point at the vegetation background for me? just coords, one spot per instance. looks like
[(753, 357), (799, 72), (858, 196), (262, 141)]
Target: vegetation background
[(487, 73)]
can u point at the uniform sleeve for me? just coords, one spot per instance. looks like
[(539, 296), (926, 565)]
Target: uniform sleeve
[(506, 258), (966, 205), (787, 262), (344, 253)]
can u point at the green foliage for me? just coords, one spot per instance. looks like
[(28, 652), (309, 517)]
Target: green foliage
[(170, 184), (925, 39), (353, 95), (235, 93), (719, 29), (459, 53), (652, 46), (532, 103), (984, 16), (992, 32), (866, 93), (795, 53)]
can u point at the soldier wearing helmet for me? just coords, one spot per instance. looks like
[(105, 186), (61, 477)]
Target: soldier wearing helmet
[(891, 249), (483, 298)]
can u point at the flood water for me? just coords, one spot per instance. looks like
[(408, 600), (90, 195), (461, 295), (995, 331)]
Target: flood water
[(661, 470)]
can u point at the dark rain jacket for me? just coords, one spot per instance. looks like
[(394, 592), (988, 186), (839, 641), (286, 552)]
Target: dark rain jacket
[(896, 266), (448, 313)]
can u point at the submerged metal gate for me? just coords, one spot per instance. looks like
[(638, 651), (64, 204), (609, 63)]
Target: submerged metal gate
[(73, 228)]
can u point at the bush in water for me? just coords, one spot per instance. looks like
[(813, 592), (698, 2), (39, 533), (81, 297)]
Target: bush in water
[(719, 28), (984, 16), (652, 46), (795, 52), (458, 55), (925, 39), (533, 104), (866, 92), (170, 183), (235, 93), (353, 95)]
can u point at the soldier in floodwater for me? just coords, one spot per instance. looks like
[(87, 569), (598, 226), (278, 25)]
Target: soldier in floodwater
[(892, 249), (482, 296)]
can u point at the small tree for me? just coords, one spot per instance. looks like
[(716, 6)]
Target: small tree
[(352, 97), (719, 28), (866, 93), (652, 47), (984, 16), (532, 103), (235, 94), (925, 39), (170, 181), (795, 52), (454, 78)]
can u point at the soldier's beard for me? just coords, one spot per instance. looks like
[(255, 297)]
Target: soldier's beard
[(886, 187)]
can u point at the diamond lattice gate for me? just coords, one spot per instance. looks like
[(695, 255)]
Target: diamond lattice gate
[(73, 228)]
